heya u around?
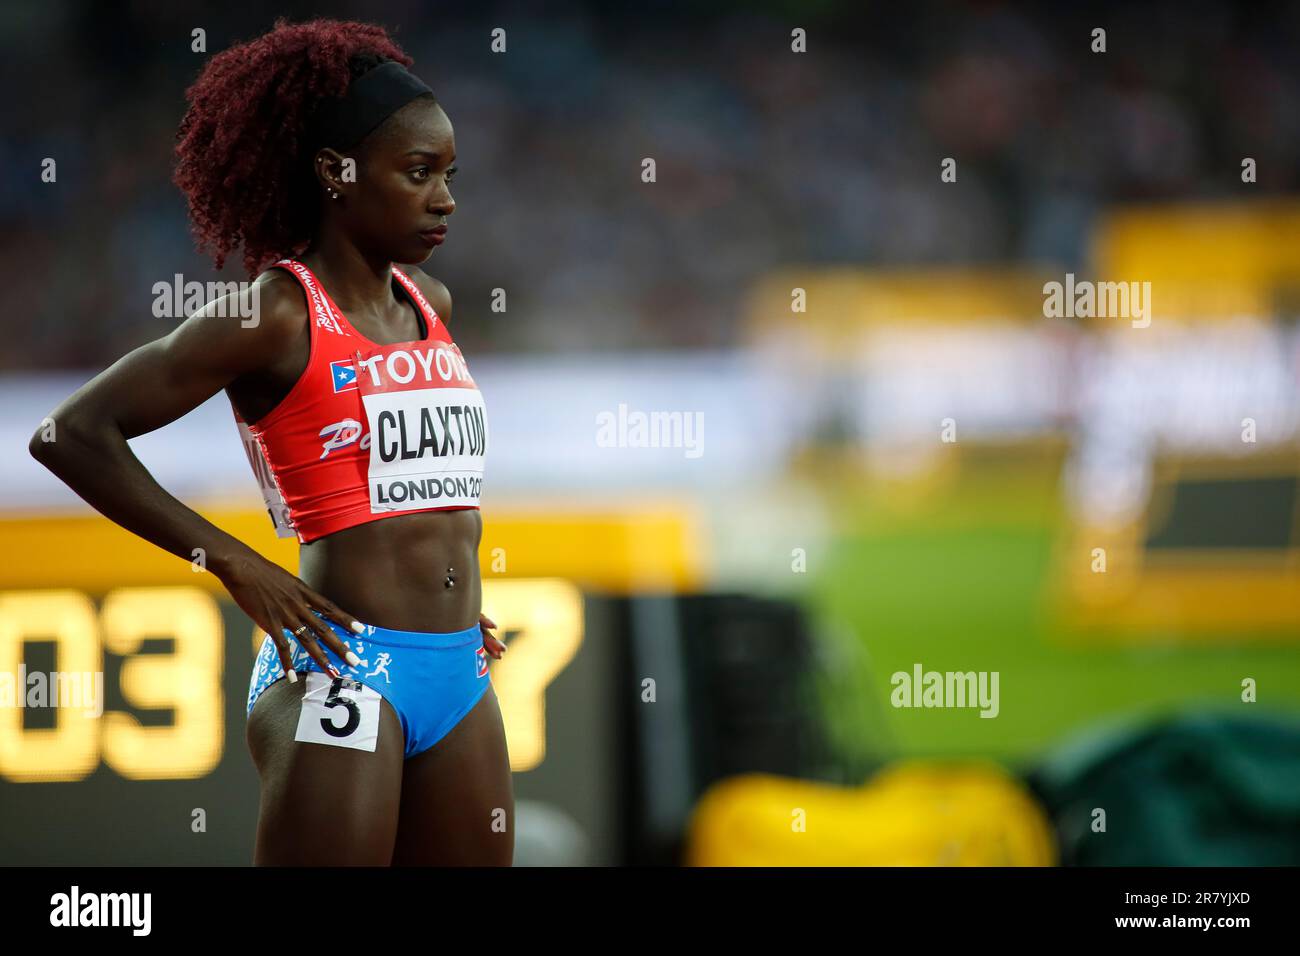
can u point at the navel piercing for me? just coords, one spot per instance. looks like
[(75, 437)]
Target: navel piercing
[(449, 580)]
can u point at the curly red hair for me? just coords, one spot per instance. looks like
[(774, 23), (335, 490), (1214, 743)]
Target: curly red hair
[(241, 150)]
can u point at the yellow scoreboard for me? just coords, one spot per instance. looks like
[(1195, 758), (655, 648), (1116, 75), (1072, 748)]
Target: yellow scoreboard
[(124, 673)]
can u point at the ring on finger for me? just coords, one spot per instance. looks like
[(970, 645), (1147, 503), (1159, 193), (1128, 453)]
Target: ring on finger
[(298, 631)]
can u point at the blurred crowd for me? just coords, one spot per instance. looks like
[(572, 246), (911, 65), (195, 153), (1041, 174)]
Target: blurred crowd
[(764, 157)]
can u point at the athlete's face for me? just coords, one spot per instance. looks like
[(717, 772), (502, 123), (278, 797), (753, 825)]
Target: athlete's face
[(404, 170)]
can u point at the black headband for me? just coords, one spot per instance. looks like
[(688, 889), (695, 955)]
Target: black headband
[(342, 122)]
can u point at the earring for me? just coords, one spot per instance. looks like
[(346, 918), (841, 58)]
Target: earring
[(333, 194)]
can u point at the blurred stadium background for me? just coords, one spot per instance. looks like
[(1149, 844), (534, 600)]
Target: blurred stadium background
[(825, 537)]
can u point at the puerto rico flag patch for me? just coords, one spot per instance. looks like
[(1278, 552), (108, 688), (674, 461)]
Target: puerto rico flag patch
[(482, 662), (344, 376)]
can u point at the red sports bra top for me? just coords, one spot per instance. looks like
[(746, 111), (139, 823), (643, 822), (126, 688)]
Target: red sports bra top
[(368, 430)]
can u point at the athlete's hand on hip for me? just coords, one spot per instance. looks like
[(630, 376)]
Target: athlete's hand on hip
[(276, 600), (490, 643)]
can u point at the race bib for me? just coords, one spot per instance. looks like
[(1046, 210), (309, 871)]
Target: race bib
[(339, 712), (275, 504), (427, 427)]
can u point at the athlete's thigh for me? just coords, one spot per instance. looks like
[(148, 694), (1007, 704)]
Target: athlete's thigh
[(322, 805), (458, 802)]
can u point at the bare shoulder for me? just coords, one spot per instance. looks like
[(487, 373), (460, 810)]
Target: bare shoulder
[(281, 303), (438, 295), (271, 313)]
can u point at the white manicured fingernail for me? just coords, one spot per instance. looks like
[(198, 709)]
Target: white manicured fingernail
[(293, 677), (358, 627), (353, 659)]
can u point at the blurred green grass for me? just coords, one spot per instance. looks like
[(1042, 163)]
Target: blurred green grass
[(956, 582)]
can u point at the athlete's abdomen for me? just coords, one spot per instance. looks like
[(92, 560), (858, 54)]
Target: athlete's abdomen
[(393, 573)]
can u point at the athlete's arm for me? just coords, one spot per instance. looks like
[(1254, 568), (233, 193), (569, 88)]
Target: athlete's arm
[(154, 385)]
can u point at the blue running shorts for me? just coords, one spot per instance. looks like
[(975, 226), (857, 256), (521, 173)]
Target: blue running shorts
[(431, 679)]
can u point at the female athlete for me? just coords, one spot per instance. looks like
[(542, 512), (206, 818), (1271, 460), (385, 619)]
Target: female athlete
[(371, 719)]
